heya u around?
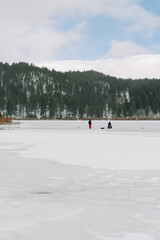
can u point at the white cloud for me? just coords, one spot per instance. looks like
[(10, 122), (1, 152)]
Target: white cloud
[(49, 43), (142, 21), (138, 66), (40, 42), (30, 30), (124, 49), (37, 12)]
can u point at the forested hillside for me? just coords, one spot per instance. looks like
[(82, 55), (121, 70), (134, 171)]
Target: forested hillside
[(28, 91)]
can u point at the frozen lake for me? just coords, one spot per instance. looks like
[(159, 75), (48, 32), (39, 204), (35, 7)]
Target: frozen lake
[(60, 180)]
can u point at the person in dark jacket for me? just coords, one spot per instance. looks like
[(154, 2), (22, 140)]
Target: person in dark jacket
[(109, 125), (90, 123)]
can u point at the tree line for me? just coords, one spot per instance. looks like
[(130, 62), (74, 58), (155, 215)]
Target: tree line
[(27, 91)]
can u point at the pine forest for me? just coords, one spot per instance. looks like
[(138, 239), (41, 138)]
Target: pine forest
[(27, 91)]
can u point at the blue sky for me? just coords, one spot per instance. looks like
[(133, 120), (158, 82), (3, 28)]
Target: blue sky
[(151, 6), (116, 37)]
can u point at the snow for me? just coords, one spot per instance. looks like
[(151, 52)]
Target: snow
[(60, 180)]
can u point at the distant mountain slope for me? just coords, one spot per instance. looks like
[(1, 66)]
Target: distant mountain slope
[(29, 91)]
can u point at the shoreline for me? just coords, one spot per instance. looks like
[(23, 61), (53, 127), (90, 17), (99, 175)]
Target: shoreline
[(86, 119)]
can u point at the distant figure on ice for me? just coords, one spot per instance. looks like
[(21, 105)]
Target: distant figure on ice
[(90, 123), (109, 125)]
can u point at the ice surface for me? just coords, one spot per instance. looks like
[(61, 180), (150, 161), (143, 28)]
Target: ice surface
[(60, 180)]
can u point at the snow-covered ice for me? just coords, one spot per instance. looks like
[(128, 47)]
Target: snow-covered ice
[(60, 180)]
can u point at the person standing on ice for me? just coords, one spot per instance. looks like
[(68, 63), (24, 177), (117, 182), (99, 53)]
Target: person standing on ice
[(90, 123)]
